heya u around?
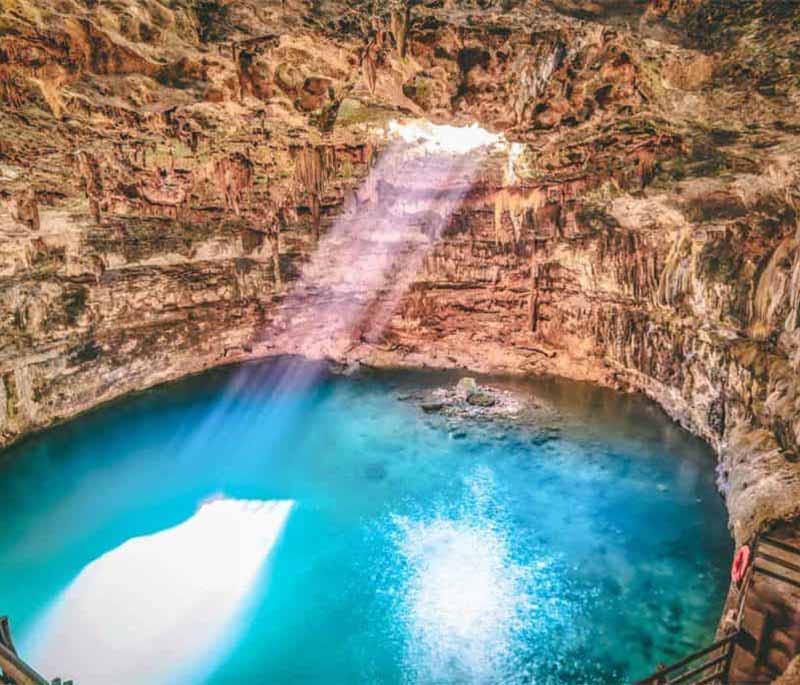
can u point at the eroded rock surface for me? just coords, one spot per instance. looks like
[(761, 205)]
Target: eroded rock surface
[(474, 403), (167, 169)]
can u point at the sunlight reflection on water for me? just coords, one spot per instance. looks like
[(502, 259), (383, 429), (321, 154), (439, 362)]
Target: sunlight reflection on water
[(467, 599), (144, 611)]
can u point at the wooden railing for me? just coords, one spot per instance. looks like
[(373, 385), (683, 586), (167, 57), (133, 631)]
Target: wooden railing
[(12, 668), (710, 666), (704, 667)]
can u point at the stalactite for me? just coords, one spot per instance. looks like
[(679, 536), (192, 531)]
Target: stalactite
[(371, 55), (275, 247), (244, 62), (400, 22), (645, 166), (369, 70), (793, 318), (499, 209), (517, 217), (533, 321), (519, 206), (676, 278), (316, 213), (280, 222), (24, 208), (773, 290), (533, 303), (234, 174), (89, 170), (313, 167)]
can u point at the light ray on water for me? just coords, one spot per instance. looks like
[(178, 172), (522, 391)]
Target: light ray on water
[(469, 600), (465, 598), (162, 604)]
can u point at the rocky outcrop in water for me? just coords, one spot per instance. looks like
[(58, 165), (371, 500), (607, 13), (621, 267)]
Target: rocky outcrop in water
[(471, 402), (492, 413), (167, 168)]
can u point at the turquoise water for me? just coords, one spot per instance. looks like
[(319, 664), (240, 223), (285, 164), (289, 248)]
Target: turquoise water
[(246, 526)]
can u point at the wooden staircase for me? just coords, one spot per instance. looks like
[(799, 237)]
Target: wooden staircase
[(708, 666), (766, 636), (13, 670), (769, 616)]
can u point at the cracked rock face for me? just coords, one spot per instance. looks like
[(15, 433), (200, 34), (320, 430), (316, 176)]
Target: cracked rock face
[(168, 168)]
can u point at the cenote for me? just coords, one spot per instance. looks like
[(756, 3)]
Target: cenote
[(232, 529)]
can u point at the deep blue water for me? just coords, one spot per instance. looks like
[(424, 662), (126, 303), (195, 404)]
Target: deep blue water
[(231, 528)]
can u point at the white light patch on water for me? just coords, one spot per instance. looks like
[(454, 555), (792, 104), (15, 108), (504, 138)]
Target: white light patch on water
[(433, 138), (162, 605), (465, 601)]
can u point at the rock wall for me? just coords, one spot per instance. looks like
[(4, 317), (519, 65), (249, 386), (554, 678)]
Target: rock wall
[(168, 169)]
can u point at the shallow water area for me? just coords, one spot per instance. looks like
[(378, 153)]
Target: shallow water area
[(272, 523)]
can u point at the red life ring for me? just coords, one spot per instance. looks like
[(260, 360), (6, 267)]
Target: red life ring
[(740, 562)]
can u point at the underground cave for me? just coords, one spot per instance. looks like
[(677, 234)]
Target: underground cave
[(402, 341)]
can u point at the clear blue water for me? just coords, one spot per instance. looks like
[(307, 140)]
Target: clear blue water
[(227, 529)]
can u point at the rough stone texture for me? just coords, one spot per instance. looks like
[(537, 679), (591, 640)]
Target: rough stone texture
[(168, 166), (792, 675)]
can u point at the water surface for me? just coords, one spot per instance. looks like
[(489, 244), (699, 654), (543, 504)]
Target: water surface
[(235, 529)]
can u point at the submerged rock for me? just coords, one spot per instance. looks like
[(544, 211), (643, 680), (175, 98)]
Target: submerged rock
[(431, 407), (375, 471), (344, 368), (351, 369), (466, 387), (481, 399), (544, 435)]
